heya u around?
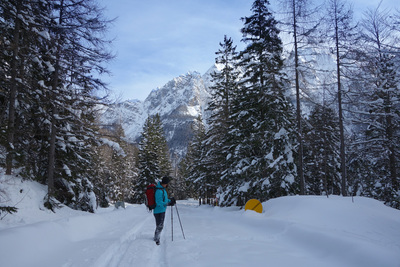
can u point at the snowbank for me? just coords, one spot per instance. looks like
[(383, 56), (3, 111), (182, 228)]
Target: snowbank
[(292, 231)]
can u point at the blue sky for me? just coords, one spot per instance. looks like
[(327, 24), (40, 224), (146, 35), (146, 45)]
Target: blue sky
[(157, 40)]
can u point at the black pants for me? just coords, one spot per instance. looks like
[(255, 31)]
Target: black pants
[(159, 225)]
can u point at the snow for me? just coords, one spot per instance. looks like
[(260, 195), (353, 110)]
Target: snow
[(192, 111), (292, 231), (183, 96), (114, 145)]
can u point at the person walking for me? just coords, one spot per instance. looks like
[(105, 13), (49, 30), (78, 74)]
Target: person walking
[(162, 202)]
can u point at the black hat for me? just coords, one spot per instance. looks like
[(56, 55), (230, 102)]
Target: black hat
[(165, 180)]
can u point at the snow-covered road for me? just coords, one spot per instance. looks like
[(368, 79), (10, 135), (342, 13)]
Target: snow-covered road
[(294, 231)]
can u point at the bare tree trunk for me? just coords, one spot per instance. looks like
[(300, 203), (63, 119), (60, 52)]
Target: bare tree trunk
[(325, 163), (53, 94), (13, 93), (392, 148), (53, 133), (52, 156), (341, 128), (298, 108)]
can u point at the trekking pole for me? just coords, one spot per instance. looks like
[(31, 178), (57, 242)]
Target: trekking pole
[(177, 212), (172, 224)]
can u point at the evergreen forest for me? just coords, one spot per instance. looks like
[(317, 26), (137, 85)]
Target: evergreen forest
[(276, 127)]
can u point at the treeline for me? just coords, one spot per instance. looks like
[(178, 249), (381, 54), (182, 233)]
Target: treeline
[(281, 123), (294, 125)]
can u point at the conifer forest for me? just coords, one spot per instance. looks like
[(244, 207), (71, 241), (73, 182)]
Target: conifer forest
[(282, 122)]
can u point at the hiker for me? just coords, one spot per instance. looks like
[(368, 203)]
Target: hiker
[(162, 202)]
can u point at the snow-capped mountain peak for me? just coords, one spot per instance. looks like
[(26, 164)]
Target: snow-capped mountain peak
[(179, 102)]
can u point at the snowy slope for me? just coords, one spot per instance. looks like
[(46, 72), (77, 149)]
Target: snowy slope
[(130, 114), (292, 231)]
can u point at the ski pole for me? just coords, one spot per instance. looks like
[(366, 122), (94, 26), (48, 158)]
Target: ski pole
[(172, 224), (177, 212)]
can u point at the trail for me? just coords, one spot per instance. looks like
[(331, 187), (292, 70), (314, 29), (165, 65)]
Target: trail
[(292, 232), (127, 248), (127, 242)]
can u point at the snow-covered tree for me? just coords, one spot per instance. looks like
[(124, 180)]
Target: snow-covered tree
[(51, 51), (379, 113), (194, 164), (24, 33), (260, 159), (153, 158), (300, 23), (116, 167), (321, 146), (220, 107)]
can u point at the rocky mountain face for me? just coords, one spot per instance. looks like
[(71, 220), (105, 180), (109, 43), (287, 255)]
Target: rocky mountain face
[(184, 98), (179, 103)]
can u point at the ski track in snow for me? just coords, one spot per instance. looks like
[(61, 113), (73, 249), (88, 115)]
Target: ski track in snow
[(122, 249), (214, 237), (135, 246)]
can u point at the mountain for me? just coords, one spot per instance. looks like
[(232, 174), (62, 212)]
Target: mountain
[(184, 98), (179, 103)]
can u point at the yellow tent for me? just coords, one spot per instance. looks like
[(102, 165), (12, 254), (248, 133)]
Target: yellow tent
[(254, 204)]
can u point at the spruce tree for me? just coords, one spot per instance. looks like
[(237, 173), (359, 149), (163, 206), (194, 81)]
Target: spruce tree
[(50, 133), (260, 159), (153, 158), (195, 165), (116, 166), (220, 107), (321, 143), (24, 33)]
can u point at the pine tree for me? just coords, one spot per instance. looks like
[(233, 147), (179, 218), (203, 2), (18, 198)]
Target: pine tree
[(222, 93), (23, 33), (58, 48), (185, 190), (78, 51), (225, 85), (116, 167), (153, 157), (320, 152), (261, 136), (195, 161)]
